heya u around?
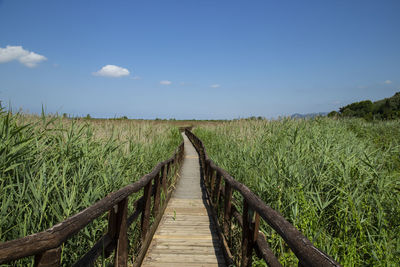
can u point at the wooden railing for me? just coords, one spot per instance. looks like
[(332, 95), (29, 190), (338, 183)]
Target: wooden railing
[(46, 245), (219, 187)]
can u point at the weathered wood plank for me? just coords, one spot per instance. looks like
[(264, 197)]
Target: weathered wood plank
[(186, 235), (180, 264)]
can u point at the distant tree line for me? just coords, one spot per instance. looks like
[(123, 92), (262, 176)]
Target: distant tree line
[(385, 109)]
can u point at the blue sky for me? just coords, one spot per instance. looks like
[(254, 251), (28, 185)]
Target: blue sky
[(197, 59)]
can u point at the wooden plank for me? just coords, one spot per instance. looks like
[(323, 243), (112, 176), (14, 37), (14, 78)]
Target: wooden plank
[(187, 242), (186, 234), (171, 258), (178, 251), (186, 249), (179, 264)]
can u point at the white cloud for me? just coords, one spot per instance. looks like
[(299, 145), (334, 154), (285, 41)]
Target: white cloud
[(215, 85), (387, 82), (165, 82), (28, 58), (112, 71), (136, 77)]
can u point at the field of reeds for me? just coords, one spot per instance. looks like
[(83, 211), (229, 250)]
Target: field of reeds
[(51, 168), (338, 181)]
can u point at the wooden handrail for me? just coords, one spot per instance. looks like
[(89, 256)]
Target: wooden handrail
[(47, 244), (304, 250)]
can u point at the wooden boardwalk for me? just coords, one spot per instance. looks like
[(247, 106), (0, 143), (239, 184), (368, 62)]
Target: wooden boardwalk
[(186, 235)]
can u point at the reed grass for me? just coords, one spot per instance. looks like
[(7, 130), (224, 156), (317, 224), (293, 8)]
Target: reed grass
[(337, 181), (52, 168)]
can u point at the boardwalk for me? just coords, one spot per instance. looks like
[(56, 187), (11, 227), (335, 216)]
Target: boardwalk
[(186, 234)]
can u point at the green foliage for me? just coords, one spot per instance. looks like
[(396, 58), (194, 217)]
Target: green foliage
[(386, 109), (337, 181), (333, 114), (51, 168), (358, 109)]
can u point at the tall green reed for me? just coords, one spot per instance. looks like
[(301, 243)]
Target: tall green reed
[(52, 168), (337, 181)]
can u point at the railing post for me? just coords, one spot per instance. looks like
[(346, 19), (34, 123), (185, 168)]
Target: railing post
[(256, 227), (203, 162), (117, 229), (246, 236), (157, 194), (167, 172), (212, 182), (217, 189), (208, 168), (121, 255), (112, 228), (227, 211), (145, 220), (249, 234), (49, 258), (164, 181), (205, 173)]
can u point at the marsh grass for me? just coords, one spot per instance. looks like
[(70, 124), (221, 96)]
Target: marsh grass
[(51, 168), (337, 181)]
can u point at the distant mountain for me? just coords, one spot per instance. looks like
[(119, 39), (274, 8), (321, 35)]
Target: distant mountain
[(308, 115)]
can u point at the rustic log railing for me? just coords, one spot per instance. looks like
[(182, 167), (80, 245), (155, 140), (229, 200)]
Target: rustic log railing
[(46, 245), (253, 209)]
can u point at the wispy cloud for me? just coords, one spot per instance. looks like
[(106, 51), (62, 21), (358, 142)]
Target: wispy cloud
[(28, 58), (165, 82), (136, 77), (215, 85), (112, 71), (388, 82)]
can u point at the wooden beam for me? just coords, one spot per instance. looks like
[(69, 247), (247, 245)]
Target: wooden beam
[(146, 211), (121, 255), (49, 258), (157, 194)]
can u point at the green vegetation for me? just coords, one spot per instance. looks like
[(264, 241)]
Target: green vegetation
[(337, 181), (386, 109), (52, 168)]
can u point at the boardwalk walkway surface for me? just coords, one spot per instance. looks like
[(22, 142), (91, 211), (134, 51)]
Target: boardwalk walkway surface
[(186, 235)]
